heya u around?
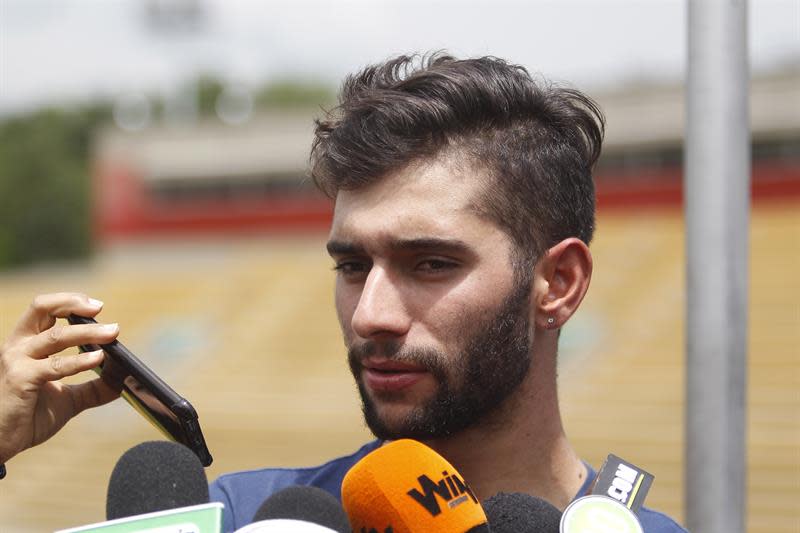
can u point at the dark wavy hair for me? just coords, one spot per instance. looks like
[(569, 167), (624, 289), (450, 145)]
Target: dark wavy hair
[(533, 143)]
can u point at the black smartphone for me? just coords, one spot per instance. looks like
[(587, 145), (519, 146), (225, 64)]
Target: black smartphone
[(168, 411)]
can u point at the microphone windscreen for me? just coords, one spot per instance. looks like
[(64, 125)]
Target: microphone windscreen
[(307, 504), (521, 513), (284, 526), (155, 476), (406, 486)]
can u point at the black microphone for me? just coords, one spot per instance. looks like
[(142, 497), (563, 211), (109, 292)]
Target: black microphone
[(306, 504), (155, 476), (521, 513)]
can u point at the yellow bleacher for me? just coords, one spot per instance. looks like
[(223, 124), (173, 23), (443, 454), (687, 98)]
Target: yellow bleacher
[(246, 330)]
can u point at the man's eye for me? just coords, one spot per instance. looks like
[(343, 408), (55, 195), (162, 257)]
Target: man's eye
[(435, 265), (351, 267)]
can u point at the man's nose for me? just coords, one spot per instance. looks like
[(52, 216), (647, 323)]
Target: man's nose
[(380, 310)]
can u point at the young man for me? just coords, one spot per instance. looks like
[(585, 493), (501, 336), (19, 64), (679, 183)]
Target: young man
[(464, 205)]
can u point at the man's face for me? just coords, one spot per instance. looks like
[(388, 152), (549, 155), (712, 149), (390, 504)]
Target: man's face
[(434, 319)]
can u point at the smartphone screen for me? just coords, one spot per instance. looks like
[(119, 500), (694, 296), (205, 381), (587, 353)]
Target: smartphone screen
[(164, 408)]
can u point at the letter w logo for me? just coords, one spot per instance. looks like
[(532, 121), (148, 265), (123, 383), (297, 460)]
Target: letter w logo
[(427, 498)]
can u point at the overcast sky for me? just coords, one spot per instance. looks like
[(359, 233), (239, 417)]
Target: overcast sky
[(63, 50)]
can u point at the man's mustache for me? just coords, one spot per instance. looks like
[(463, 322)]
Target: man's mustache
[(371, 348), (432, 360)]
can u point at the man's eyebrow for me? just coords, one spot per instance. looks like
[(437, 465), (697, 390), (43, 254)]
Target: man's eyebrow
[(421, 244), (343, 248), (431, 244)]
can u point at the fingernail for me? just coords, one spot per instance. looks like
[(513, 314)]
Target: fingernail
[(95, 303), (109, 328)]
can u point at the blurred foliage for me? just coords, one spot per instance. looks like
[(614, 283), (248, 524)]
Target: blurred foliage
[(281, 94), (288, 93), (44, 184), (208, 89), (44, 168)]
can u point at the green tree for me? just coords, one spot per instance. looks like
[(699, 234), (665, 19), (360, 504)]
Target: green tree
[(44, 185), (292, 93)]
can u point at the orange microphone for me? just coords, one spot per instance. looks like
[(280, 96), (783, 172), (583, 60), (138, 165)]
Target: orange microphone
[(406, 487)]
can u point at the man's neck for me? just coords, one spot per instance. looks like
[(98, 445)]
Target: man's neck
[(525, 451)]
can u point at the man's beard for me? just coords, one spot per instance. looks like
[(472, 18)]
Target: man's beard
[(493, 363)]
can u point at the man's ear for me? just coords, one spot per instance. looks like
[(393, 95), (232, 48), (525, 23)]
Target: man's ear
[(561, 280)]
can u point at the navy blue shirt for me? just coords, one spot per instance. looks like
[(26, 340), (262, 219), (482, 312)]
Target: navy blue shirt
[(244, 492)]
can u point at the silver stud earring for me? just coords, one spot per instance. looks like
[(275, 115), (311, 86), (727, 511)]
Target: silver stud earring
[(551, 321)]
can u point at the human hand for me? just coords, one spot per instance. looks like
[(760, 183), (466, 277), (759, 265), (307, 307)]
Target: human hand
[(34, 404)]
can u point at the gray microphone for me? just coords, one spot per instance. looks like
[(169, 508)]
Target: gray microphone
[(155, 476), (520, 513)]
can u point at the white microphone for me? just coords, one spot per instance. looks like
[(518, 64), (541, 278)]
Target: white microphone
[(598, 514), (284, 525)]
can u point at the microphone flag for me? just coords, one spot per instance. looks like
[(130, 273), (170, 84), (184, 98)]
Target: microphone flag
[(623, 481), (203, 518)]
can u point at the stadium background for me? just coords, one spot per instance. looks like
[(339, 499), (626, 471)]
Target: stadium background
[(241, 322)]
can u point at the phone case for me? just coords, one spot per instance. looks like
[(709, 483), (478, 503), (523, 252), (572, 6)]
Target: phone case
[(168, 411)]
